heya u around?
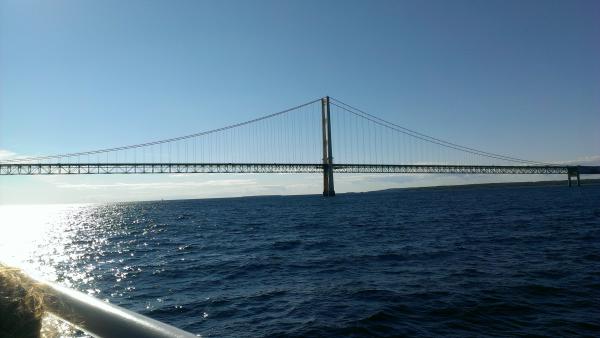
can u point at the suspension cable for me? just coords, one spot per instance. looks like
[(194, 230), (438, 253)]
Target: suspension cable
[(427, 138), (141, 145)]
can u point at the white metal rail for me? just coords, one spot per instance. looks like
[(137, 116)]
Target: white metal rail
[(102, 319)]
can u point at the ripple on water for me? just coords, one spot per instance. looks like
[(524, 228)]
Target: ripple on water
[(449, 262)]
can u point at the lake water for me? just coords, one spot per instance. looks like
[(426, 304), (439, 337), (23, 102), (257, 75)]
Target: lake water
[(491, 261)]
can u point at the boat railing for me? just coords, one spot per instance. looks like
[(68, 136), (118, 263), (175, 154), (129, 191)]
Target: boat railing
[(102, 319)]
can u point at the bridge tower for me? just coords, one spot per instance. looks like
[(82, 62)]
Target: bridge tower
[(328, 189), (573, 172)]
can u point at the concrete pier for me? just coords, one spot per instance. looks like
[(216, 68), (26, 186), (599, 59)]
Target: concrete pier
[(573, 172)]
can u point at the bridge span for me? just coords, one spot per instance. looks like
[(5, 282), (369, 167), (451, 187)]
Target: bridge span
[(300, 139), (286, 168)]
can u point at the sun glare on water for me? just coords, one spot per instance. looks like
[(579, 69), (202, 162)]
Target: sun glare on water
[(33, 237)]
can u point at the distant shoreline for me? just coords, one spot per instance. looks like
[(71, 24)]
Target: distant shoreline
[(584, 182), (436, 187), (564, 183)]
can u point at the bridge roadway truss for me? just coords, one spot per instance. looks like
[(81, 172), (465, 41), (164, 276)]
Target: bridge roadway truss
[(293, 168)]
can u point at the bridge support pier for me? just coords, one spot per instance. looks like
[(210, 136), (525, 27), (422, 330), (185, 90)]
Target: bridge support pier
[(328, 189), (573, 172)]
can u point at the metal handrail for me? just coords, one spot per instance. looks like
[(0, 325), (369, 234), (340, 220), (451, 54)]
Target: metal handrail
[(102, 319)]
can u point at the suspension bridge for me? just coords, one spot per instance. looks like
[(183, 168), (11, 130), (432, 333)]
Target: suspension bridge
[(301, 139)]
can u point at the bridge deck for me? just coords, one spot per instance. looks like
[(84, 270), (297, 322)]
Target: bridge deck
[(174, 168)]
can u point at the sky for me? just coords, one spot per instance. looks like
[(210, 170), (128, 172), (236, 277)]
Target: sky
[(513, 77)]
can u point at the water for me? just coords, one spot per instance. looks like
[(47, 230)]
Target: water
[(430, 262)]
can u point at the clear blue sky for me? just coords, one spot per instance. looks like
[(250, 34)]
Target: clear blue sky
[(514, 77)]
